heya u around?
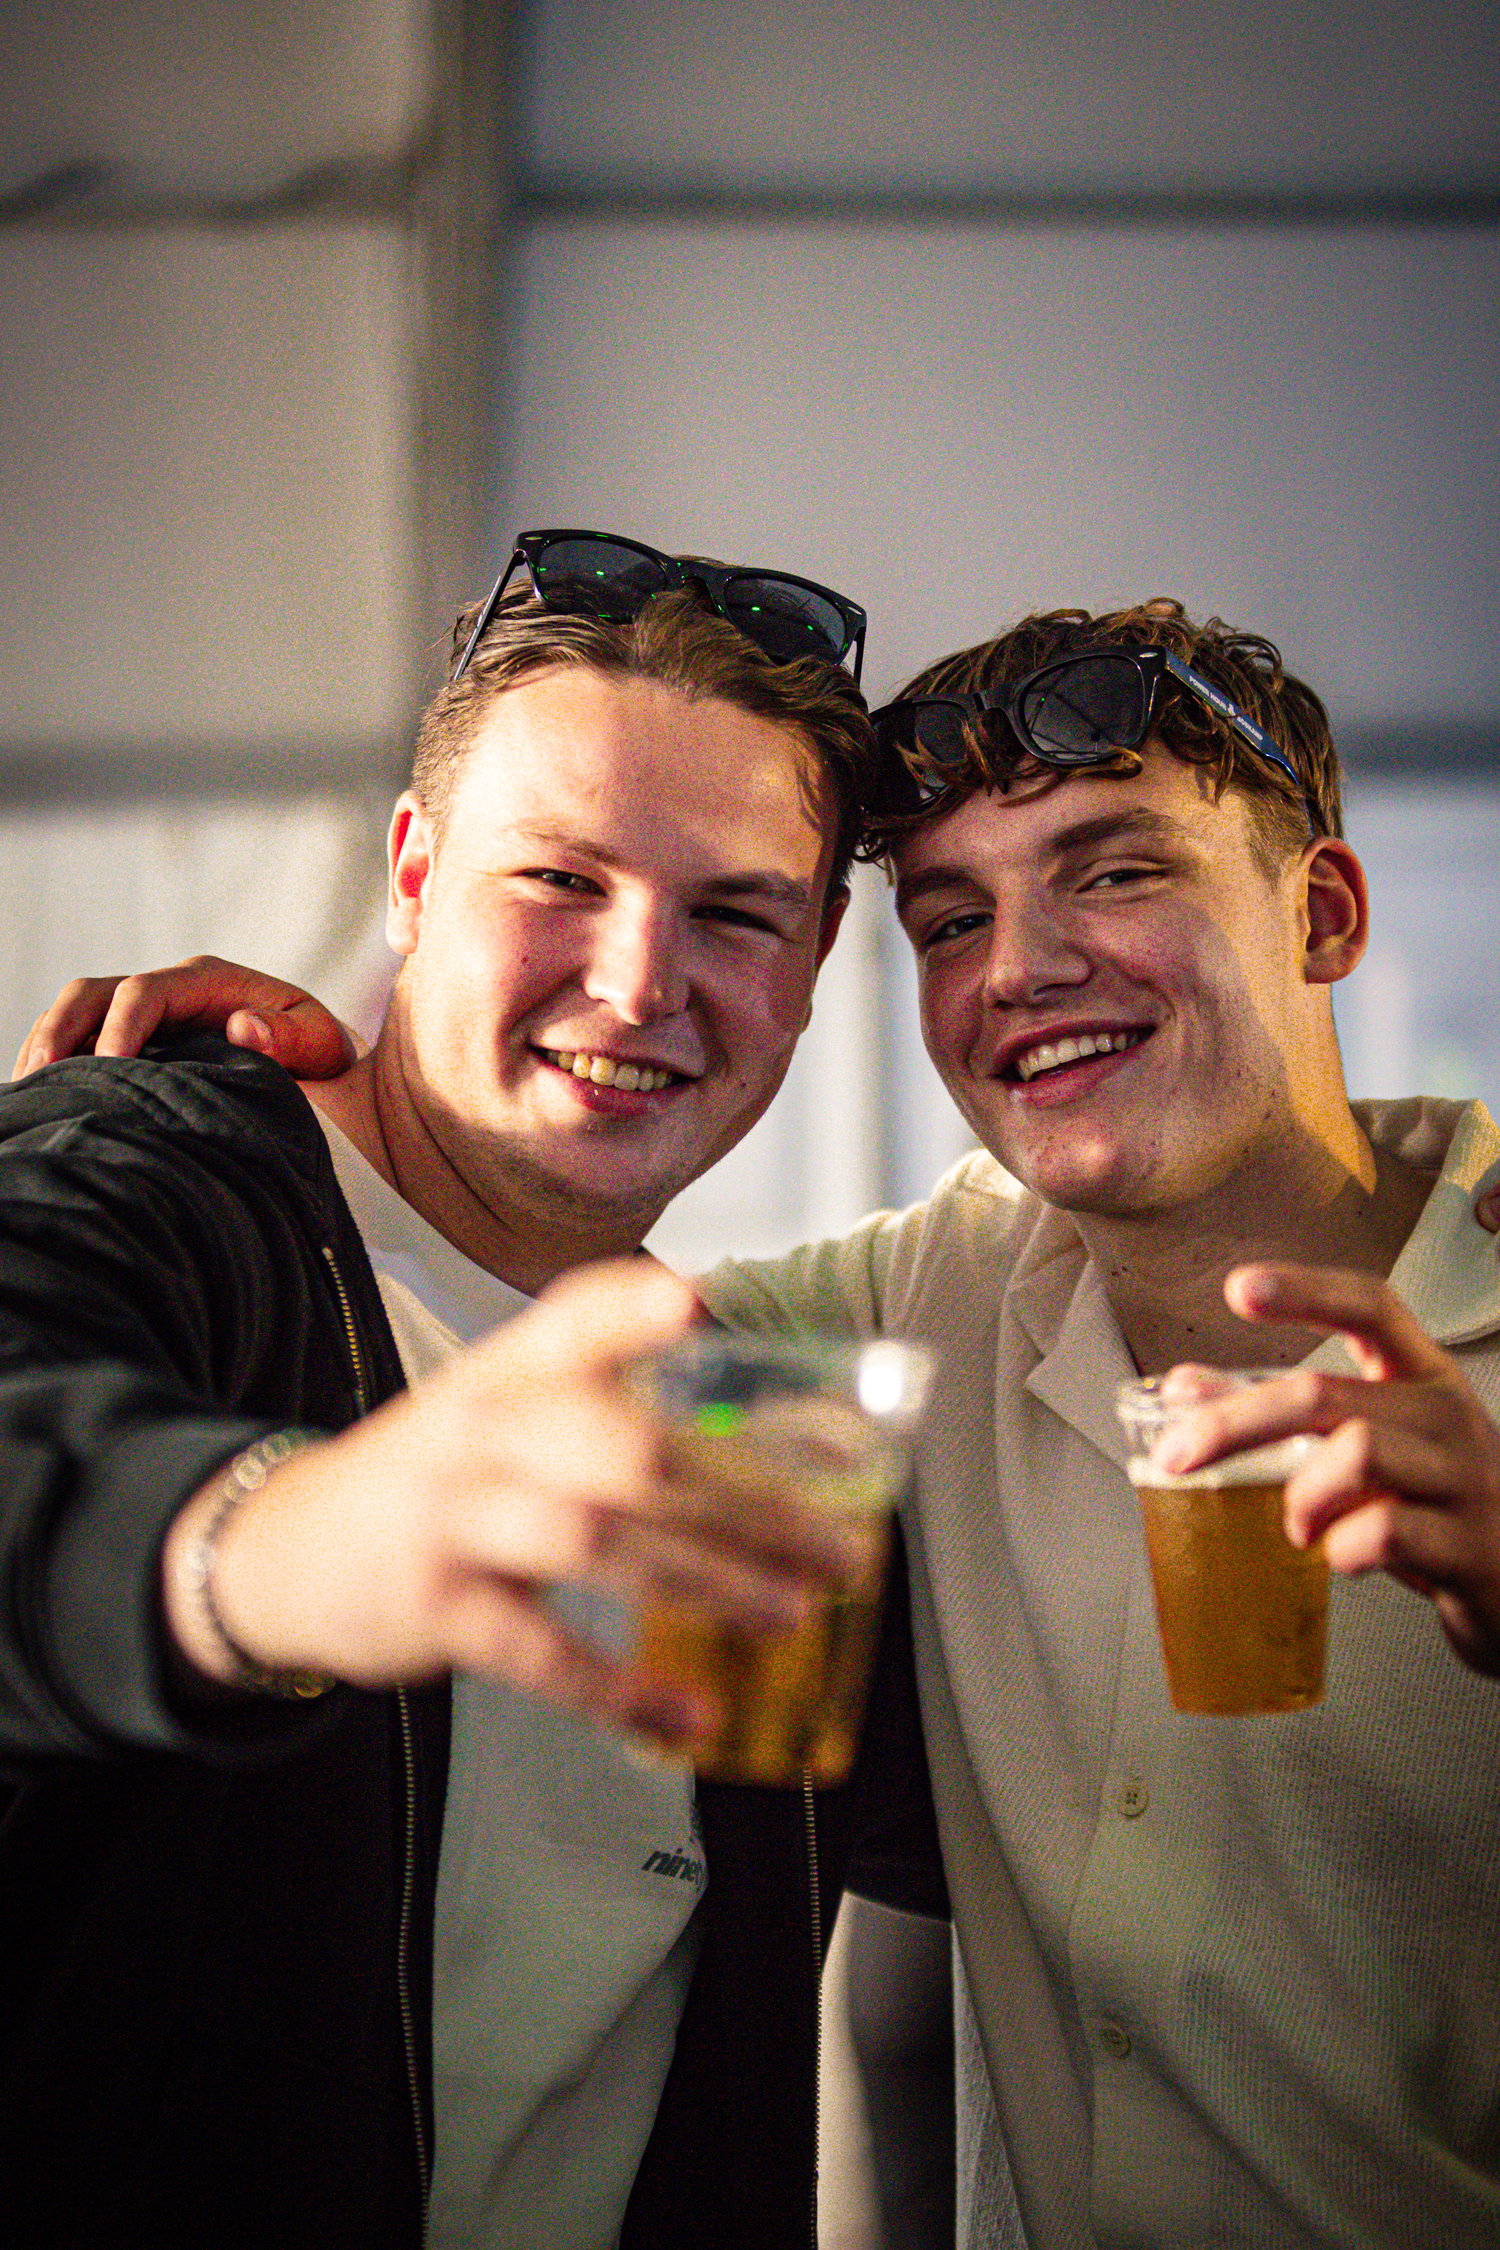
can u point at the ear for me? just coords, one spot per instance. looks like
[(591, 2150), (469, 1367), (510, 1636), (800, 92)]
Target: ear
[(1338, 910), (833, 914), (410, 851)]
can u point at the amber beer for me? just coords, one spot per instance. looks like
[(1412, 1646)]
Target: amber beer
[(792, 1698), (1243, 1613)]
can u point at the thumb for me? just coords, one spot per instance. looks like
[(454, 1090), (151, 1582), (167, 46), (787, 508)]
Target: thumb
[(598, 1317)]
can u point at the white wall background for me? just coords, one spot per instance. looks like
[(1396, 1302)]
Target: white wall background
[(221, 96), (207, 550), (1420, 1011), (1294, 426), (1145, 95), (212, 531)]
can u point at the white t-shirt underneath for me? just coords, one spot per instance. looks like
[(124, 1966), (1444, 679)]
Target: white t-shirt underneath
[(566, 1934)]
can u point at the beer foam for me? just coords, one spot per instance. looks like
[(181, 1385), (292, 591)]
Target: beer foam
[(1263, 1464)]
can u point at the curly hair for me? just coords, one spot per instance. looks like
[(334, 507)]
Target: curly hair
[(1246, 666), (674, 639)]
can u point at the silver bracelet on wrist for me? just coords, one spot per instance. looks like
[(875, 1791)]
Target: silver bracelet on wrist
[(239, 1481)]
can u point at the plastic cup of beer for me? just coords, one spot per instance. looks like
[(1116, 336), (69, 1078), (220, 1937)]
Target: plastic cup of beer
[(831, 1425), (1243, 1613)]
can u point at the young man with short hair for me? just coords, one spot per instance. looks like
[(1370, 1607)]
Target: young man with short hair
[(236, 1961), (1233, 1980)]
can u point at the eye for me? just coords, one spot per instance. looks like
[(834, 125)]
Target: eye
[(562, 879), (952, 928), (735, 917), (1118, 878)]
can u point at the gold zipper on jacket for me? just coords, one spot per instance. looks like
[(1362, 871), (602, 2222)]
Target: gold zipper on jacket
[(357, 1357), (810, 1818), (362, 1400), (403, 1945)]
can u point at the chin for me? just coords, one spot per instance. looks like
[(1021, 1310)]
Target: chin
[(616, 1222), (581, 1183), (611, 1189), (1097, 1182)]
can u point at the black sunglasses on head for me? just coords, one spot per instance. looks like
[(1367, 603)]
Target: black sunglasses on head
[(1074, 712), (598, 574)]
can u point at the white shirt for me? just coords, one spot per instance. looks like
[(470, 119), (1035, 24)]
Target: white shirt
[(565, 1934), (1236, 1981)]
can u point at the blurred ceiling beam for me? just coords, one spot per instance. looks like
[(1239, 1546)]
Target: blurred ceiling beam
[(463, 202), (87, 192), (942, 207), (275, 231)]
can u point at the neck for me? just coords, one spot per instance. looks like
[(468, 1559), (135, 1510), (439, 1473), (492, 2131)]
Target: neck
[(1324, 1199), (523, 1239)]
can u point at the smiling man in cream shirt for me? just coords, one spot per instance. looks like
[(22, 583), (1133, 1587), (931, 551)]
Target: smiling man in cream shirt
[(1229, 1981)]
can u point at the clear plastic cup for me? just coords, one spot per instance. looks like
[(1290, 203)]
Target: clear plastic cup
[(831, 1425), (1243, 1613)]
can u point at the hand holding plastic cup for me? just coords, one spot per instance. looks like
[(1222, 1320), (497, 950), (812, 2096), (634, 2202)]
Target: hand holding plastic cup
[(830, 1426), (1243, 1613)]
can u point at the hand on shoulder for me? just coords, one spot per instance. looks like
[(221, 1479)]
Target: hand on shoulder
[(118, 1015)]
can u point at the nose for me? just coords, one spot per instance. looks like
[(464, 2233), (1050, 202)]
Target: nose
[(1031, 953), (635, 965)]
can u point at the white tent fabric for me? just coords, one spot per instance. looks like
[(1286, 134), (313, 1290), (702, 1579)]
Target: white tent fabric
[(293, 885)]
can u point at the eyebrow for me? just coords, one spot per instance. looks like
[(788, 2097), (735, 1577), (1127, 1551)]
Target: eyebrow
[(762, 883), (1138, 823), (1155, 827), (755, 882)]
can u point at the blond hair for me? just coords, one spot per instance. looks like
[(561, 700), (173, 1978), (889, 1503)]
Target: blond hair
[(673, 639)]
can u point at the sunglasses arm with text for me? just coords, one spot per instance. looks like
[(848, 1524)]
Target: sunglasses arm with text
[(1406, 1474)]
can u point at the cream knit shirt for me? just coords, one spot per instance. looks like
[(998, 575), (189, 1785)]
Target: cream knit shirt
[(1236, 1981)]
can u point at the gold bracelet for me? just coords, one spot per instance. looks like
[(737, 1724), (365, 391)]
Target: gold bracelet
[(240, 1480)]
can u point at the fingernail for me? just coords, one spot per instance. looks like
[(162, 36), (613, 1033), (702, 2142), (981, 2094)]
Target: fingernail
[(1189, 1381), (260, 1032)]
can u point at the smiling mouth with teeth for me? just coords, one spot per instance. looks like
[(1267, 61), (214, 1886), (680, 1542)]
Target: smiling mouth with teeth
[(1055, 1055), (603, 1070)]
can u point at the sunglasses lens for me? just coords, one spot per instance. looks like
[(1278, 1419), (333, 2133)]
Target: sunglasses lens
[(941, 732), (783, 618), (597, 577), (938, 732), (1080, 713)]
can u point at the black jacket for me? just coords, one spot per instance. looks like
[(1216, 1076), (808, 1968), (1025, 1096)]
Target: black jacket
[(215, 1927)]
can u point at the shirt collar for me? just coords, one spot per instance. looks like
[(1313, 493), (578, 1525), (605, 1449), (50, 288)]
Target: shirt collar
[(1448, 1273)]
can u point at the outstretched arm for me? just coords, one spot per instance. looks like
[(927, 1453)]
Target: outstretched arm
[(118, 1015), (1408, 1476), (427, 1537)]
